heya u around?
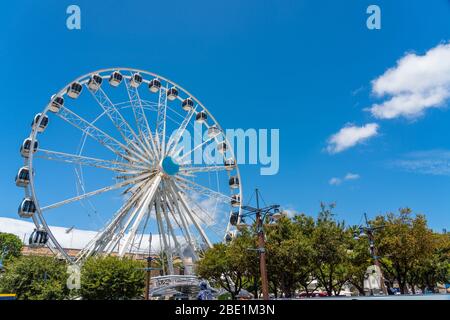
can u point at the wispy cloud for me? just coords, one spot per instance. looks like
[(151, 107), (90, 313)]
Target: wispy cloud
[(432, 162), (335, 181), (415, 84), (349, 176), (349, 136)]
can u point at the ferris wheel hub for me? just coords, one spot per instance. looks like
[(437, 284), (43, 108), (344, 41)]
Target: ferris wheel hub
[(170, 166)]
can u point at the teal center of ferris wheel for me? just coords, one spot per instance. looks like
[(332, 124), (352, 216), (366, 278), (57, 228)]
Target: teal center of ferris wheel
[(169, 166)]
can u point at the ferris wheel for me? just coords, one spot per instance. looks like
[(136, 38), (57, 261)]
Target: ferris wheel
[(129, 154)]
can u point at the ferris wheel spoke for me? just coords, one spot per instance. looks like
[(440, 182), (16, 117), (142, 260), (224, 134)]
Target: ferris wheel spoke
[(123, 222), (95, 192), (89, 161), (116, 118), (191, 216), (209, 224), (165, 210), (161, 121), (103, 238), (173, 142), (197, 169), (141, 119), (162, 232), (100, 136), (176, 210), (180, 159), (202, 189), (139, 212)]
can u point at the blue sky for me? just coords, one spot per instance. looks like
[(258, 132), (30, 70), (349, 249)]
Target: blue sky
[(304, 67)]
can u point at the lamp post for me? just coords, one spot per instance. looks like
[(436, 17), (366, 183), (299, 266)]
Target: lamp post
[(148, 269), (368, 231), (260, 215)]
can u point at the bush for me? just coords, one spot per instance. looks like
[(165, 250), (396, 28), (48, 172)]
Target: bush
[(36, 278), (112, 278)]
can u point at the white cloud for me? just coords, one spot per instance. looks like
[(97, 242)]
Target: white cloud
[(335, 181), (415, 84), (432, 162), (349, 176), (351, 135)]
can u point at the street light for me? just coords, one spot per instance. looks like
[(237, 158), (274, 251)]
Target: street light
[(148, 269), (368, 231), (261, 214)]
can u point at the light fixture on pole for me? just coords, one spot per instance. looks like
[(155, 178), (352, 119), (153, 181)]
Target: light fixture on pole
[(261, 214)]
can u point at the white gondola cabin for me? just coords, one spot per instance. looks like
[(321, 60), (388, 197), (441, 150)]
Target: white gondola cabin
[(235, 200), (222, 147), (56, 103), (229, 164), (187, 104), (95, 82), (154, 85), (234, 217), (23, 177), (201, 117), (115, 78), (38, 238), (234, 182), (27, 208), (136, 80), (228, 237), (26, 147), (74, 90), (213, 131), (38, 124), (172, 93)]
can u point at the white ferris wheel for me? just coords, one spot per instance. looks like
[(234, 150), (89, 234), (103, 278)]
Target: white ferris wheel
[(129, 154)]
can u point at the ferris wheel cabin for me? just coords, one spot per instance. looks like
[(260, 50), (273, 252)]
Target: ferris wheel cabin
[(172, 93), (27, 208), (26, 147), (95, 82), (234, 182), (56, 103), (222, 147), (136, 80), (154, 85), (235, 200), (38, 238), (229, 164), (74, 90), (42, 125), (23, 177), (187, 104), (201, 117), (213, 131), (228, 237), (234, 218), (115, 78)]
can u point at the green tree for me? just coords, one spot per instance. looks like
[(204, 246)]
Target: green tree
[(435, 267), (10, 246), (289, 255), (330, 251), (36, 278), (112, 278), (226, 265), (404, 244)]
